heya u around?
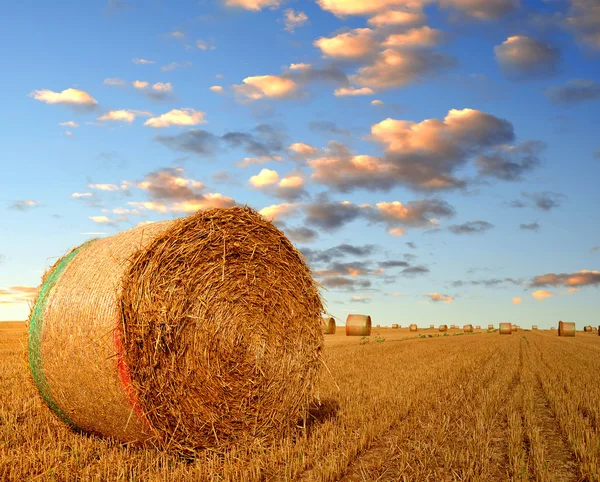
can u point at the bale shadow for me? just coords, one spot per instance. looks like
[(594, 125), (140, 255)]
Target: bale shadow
[(320, 412)]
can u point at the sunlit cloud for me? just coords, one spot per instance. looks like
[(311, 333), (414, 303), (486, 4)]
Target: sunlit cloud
[(24, 205), (204, 45), (255, 5), (522, 57), (69, 124), (436, 297), (101, 220), (271, 86), (177, 117), (217, 89), (139, 84), (79, 195), (517, 301), (70, 97), (350, 45), (176, 65), (349, 91), (541, 295)]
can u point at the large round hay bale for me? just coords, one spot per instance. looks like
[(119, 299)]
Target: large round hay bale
[(588, 329), (395, 325), (413, 327), (202, 331), (514, 328), (468, 328), (478, 327), (490, 327), (505, 329), (358, 325), (443, 328), (329, 325), (534, 327), (566, 328)]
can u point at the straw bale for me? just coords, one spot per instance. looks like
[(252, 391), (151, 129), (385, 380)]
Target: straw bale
[(514, 328), (203, 331), (431, 327), (468, 328), (566, 329), (329, 325), (478, 327), (443, 328), (588, 328), (553, 328), (395, 325), (490, 327), (505, 329), (534, 327), (358, 325), (413, 327)]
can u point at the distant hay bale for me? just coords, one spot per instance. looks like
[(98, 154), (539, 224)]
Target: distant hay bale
[(490, 327), (553, 328), (413, 327), (329, 325), (468, 328), (431, 327), (203, 331), (443, 328), (514, 328), (452, 327), (505, 329), (534, 327), (588, 329), (358, 325), (478, 327), (377, 326), (566, 328), (395, 325)]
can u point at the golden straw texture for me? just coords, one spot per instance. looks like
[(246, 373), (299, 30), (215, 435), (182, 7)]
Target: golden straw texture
[(413, 327), (443, 328), (588, 328), (468, 328), (566, 329), (505, 329), (223, 331), (395, 325), (329, 325), (358, 325)]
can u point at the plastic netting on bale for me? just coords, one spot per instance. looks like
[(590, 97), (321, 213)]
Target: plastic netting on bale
[(200, 332)]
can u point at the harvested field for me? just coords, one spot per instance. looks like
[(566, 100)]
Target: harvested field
[(394, 406)]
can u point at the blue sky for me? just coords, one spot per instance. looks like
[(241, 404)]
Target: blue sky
[(437, 161)]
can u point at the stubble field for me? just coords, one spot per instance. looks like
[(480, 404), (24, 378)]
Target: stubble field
[(395, 406)]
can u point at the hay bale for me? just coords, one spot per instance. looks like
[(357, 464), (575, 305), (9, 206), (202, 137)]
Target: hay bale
[(478, 327), (413, 327), (566, 328), (203, 331), (505, 329), (329, 325), (395, 325), (358, 325), (431, 327), (588, 329), (534, 327), (490, 327), (514, 328), (468, 328), (553, 328), (443, 328)]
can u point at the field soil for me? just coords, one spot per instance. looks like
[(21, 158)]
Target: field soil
[(395, 406)]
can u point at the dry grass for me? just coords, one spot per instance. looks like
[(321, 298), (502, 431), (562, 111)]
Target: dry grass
[(398, 406)]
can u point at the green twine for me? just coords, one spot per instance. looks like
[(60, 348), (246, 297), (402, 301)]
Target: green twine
[(35, 336)]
